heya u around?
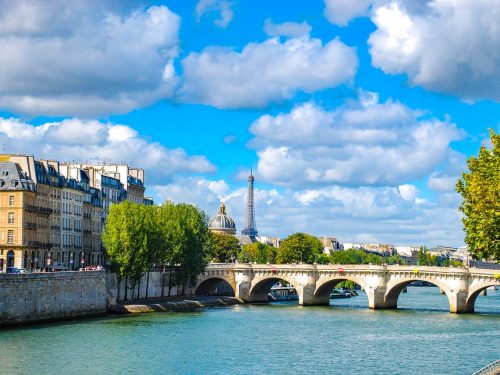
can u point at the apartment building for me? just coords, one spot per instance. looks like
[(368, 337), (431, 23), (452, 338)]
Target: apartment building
[(55, 212)]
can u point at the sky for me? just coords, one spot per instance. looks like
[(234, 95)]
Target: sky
[(356, 116)]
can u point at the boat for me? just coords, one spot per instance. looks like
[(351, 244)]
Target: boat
[(282, 293), (340, 293)]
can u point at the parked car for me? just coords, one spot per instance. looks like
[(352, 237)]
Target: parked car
[(58, 266), (12, 270), (24, 270)]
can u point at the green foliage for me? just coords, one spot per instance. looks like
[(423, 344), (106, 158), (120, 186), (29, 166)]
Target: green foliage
[(299, 247), (424, 258), (395, 259), (355, 256), (323, 259), (193, 242), (137, 237), (130, 238), (480, 190), (224, 248), (257, 253)]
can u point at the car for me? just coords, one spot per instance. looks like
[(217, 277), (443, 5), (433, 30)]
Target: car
[(12, 270), (24, 270), (58, 266)]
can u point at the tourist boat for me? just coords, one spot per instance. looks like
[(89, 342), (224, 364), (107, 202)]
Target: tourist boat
[(282, 293), (340, 293)]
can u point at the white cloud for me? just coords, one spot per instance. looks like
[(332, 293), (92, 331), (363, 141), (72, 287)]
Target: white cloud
[(85, 58), (440, 182), (271, 71), (75, 139), (340, 12), (223, 7), (374, 214), (360, 143), (287, 29), (446, 46)]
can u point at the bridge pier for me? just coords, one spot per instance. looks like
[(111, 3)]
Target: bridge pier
[(378, 300), (307, 297), (458, 302)]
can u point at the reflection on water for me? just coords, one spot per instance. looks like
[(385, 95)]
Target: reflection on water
[(422, 337)]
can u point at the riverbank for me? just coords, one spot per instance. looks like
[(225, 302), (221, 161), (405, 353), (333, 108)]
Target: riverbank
[(177, 303)]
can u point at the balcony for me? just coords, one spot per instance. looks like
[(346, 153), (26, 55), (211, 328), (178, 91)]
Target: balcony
[(30, 225), (55, 227), (47, 245), (45, 210)]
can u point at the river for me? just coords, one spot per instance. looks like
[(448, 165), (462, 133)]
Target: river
[(421, 337)]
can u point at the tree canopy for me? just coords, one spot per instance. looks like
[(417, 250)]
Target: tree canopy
[(299, 247), (131, 238), (257, 253), (137, 237), (480, 190), (224, 248)]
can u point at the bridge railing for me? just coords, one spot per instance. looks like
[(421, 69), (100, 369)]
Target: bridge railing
[(357, 267)]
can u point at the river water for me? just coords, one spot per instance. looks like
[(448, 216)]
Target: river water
[(421, 337)]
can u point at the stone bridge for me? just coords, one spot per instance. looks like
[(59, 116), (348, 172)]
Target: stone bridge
[(382, 284)]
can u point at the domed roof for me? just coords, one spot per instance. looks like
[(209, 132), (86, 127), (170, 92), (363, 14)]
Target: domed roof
[(221, 222)]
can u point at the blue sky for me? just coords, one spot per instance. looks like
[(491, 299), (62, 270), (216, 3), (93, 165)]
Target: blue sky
[(357, 117)]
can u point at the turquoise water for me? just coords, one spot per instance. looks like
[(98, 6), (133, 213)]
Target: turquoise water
[(347, 338)]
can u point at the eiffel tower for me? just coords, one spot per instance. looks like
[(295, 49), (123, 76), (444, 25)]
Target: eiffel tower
[(250, 227)]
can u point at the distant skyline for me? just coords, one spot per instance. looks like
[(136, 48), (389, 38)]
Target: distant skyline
[(357, 117)]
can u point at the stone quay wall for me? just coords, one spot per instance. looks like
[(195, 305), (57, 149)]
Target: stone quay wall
[(35, 297), (152, 285)]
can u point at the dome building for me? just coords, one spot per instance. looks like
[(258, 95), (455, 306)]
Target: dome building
[(222, 222)]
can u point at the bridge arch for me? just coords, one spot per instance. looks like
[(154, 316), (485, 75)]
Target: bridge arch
[(261, 286), (475, 290), (212, 286), (325, 285), (394, 289)]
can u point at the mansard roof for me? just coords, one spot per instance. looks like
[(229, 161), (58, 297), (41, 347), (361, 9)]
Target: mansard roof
[(12, 178)]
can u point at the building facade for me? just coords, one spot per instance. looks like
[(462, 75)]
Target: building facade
[(53, 212)]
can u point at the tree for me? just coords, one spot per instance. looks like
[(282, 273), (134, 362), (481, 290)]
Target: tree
[(424, 258), (350, 256), (130, 238), (299, 247), (195, 242), (224, 248), (184, 242), (168, 253), (480, 190), (257, 252)]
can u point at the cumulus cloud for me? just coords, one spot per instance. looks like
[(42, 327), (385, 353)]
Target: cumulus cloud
[(360, 143), (85, 58), (75, 139), (271, 71), (451, 47), (222, 7), (352, 214), (340, 12), (288, 29)]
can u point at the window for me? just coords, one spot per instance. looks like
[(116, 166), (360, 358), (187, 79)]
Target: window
[(11, 200), (10, 236), (5, 173), (11, 218)]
